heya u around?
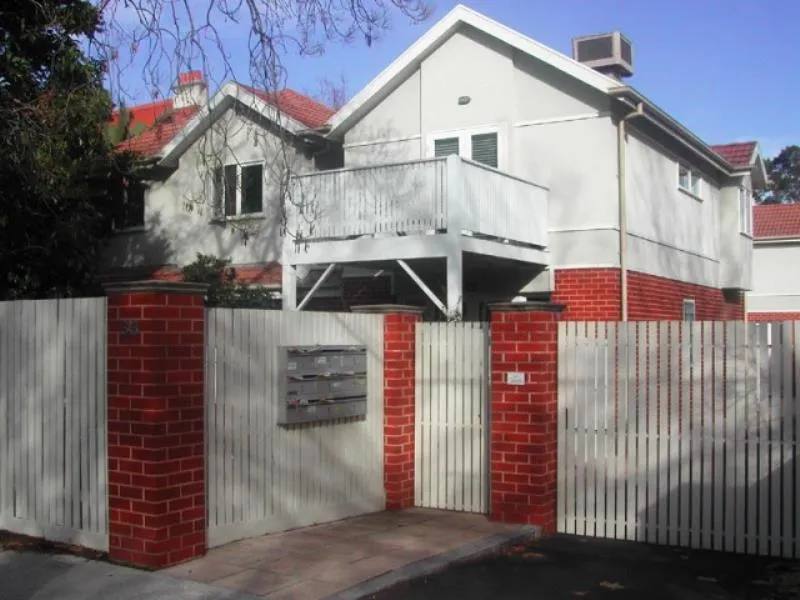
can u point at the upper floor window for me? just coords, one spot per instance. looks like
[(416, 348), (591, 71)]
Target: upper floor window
[(130, 206), (745, 210), (481, 146), (689, 180), (239, 190)]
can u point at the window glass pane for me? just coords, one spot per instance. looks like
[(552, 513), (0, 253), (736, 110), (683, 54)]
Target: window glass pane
[(134, 205), (252, 189), (688, 310), (683, 177), (445, 146), (484, 148), (230, 190), (219, 191), (696, 182)]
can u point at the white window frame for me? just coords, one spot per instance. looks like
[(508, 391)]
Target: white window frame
[(745, 212), (465, 142), (687, 302), (220, 210), (695, 177)]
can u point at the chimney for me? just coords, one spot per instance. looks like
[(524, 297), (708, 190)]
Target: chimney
[(608, 53), (190, 90)]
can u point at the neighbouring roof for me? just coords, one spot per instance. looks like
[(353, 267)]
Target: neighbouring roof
[(163, 123), (775, 221), (739, 154), (161, 131)]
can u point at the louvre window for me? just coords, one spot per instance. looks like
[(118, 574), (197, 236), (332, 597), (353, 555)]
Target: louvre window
[(446, 146), (484, 149), (480, 147)]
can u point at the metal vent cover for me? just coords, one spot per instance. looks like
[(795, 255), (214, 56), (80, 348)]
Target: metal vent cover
[(609, 53)]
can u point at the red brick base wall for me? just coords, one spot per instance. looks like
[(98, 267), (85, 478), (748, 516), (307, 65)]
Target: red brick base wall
[(594, 295), (773, 316)]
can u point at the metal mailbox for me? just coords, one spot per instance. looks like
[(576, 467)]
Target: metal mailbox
[(322, 383)]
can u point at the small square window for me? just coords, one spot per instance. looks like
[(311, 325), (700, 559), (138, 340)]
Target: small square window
[(684, 177), (130, 206), (689, 310), (689, 180), (238, 190), (745, 211)]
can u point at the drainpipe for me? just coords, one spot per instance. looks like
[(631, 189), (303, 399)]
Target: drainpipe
[(623, 209)]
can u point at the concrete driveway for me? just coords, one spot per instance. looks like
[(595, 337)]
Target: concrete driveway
[(38, 576)]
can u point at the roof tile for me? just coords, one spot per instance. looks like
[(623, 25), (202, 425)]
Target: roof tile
[(738, 154), (301, 108), (776, 221)]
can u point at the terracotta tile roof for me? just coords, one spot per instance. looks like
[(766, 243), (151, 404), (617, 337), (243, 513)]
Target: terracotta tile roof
[(776, 221), (163, 122), (298, 106), (161, 131), (738, 154)]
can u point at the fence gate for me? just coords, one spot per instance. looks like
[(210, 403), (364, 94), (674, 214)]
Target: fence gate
[(452, 416), (685, 434)]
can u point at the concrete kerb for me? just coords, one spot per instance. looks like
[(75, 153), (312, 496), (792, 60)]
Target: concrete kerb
[(434, 564)]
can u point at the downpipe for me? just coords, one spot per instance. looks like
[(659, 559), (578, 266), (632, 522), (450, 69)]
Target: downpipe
[(622, 205)]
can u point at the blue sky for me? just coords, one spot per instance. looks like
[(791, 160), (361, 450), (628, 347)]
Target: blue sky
[(727, 69)]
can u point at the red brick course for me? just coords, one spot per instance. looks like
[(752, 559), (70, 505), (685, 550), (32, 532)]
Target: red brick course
[(773, 316), (594, 295), (156, 465), (523, 438)]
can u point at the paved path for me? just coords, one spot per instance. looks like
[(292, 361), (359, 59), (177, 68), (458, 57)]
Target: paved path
[(36, 576)]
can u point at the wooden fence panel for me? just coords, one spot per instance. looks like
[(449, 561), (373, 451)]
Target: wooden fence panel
[(681, 434)]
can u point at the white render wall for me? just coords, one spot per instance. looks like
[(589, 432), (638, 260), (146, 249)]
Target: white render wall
[(776, 278), (178, 211)]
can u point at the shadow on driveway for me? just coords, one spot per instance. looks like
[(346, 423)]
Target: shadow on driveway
[(563, 567)]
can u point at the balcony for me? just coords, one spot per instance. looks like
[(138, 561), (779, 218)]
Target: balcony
[(421, 209)]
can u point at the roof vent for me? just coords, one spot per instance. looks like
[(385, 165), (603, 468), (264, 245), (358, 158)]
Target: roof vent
[(608, 53)]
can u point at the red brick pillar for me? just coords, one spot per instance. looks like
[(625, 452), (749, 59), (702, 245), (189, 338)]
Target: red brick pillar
[(524, 411), (156, 462), (399, 336)]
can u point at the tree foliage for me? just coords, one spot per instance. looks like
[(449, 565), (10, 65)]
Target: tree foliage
[(784, 176), (223, 291), (55, 162)]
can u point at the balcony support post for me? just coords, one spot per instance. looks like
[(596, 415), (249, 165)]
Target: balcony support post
[(456, 200), (289, 287)]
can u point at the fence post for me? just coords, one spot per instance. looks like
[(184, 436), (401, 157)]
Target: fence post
[(524, 412), (156, 461), (399, 366)]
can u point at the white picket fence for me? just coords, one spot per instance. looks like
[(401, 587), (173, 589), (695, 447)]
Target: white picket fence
[(684, 434), (452, 416), (53, 433), (262, 477)]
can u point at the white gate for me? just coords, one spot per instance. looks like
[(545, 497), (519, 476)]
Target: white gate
[(684, 434), (263, 477), (53, 420), (452, 416)]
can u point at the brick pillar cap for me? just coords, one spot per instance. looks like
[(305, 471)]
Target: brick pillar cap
[(165, 287), (531, 306), (385, 309)]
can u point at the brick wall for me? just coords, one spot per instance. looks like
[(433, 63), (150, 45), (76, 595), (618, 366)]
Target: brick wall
[(594, 294), (156, 465), (773, 316), (523, 435)]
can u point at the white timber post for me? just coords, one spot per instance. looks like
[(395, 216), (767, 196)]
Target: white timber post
[(455, 261)]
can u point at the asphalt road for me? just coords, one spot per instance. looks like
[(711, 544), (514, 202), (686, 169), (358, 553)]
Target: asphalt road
[(564, 567)]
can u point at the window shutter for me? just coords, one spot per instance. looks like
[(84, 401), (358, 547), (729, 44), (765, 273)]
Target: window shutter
[(445, 147), (252, 189), (230, 190), (484, 149)]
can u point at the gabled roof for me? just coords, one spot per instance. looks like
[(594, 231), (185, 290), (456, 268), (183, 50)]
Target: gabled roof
[(399, 70), (739, 154), (776, 221), (404, 65), (167, 129)]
